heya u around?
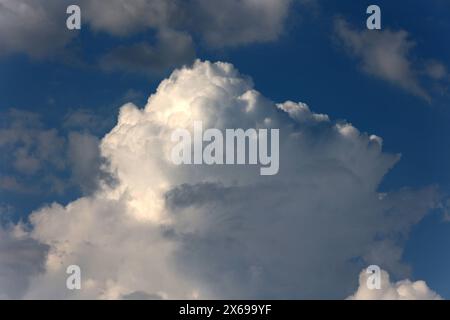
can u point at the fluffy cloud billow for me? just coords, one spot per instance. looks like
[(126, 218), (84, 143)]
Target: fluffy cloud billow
[(197, 231), (400, 290)]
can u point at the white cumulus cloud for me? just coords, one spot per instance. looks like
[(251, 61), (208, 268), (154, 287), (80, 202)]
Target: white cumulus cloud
[(400, 290), (166, 231)]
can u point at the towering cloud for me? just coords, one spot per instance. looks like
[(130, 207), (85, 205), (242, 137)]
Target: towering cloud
[(167, 231)]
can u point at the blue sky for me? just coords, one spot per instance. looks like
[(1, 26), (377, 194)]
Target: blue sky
[(306, 62)]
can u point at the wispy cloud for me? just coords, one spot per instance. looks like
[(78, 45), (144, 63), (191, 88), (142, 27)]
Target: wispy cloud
[(387, 55)]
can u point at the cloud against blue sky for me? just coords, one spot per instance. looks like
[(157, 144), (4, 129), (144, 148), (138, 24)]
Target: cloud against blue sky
[(85, 137), (216, 231), (387, 55)]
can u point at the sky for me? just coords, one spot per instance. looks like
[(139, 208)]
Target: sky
[(85, 122)]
